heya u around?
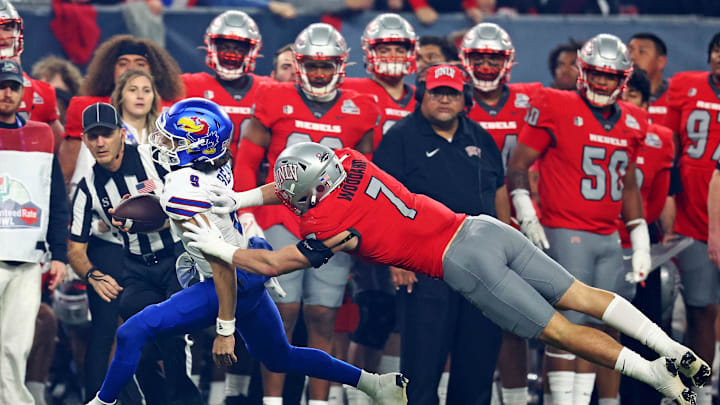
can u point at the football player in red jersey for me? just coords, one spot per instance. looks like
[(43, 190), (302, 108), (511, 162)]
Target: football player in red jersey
[(339, 196), (390, 47), (233, 41), (588, 144), (314, 108), (39, 102), (694, 116), (649, 52), (487, 52)]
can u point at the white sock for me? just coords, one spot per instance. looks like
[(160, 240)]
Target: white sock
[(356, 397), (608, 401), (627, 319), (633, 365), (389, 364), (336, 396), (547, 399), (514, 396), (561, 386), (272, 401), (236, 385), (368, 382), (443, 387), (583, 387), (704, 395), (317, 402), (217, 393)]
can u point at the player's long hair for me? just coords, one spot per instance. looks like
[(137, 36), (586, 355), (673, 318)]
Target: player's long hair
[(117, 100), (100, 81), (207, 167)]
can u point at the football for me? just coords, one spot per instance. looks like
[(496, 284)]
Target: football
[(141, 213)]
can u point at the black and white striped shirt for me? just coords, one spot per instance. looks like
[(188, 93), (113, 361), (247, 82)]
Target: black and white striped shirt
[(101, 190)]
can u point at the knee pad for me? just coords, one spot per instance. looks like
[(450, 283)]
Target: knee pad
[(377, 319), (276, 359)]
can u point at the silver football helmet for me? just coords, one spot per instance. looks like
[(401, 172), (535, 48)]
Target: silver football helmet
[(12, 45), (237, 26), (389, 28), (320, 42), (603, 53), (670, 285), (305, 173), (488, 38)]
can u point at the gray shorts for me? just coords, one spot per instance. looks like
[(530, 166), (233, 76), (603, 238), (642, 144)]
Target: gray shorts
[(699, 276), (594, 259), (323, 286), (512, 282)]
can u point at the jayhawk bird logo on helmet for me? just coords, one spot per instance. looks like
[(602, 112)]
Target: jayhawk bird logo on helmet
[(192, 130)]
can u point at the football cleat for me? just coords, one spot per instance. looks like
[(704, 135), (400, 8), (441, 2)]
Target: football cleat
[(668, 383), (391, 390), (694, 368)]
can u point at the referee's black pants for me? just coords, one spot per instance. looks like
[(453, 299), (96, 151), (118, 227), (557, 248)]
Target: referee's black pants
[(436, 321), (105, 256), (146, 284)]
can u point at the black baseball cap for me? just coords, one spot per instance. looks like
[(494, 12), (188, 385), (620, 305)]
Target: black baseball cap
[(11, 71), (100, 115)]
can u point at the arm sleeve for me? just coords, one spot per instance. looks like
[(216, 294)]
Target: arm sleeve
[(57, 231), (81, 219)]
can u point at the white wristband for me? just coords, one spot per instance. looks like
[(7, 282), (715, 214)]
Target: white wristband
[(250, 198), (225, 252), (639, 236), (224, 328)]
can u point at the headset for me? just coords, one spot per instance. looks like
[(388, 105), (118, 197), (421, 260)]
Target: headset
[(467, 86)]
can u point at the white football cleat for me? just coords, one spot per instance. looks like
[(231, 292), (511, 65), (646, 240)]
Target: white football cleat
[(97, 401), (693, 367), (668, 383), (391, 390)]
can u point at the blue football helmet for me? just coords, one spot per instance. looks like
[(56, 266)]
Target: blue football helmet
[(192, 130)]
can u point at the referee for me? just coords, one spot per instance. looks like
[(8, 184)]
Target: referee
[(439, 152), (148, 259)]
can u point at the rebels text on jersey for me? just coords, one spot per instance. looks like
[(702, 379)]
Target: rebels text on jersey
[(505, 119), (292, 118), (39, 100), (391, 110), (694, 113), (238, 106), (584, 158), (654, 160), (395, 226), (185, 194)]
